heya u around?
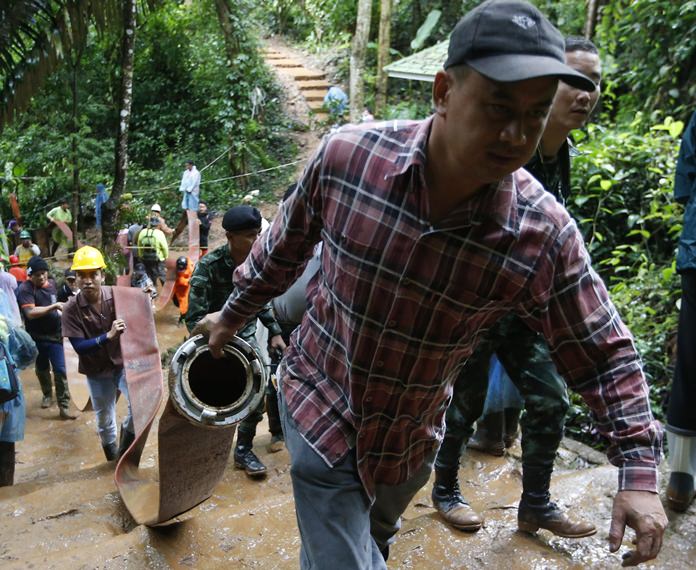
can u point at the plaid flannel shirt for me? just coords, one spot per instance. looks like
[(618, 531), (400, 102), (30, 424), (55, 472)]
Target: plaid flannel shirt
[(399, 304)]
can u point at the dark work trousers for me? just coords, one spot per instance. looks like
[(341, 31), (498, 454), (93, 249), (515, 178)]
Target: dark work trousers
[(680, 416), (156, 270), (525, 356)]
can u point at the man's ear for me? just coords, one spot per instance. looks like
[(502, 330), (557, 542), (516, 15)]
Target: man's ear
[(442, 85)]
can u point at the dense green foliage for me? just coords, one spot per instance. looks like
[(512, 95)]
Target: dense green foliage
[(624, 206), (191, 102), (188, 103)]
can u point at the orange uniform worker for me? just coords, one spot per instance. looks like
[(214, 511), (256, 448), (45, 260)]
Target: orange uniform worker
[(184, 270), (17, 270)]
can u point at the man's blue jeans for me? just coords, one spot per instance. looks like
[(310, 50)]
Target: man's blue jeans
[(103, 390), (339, 527)]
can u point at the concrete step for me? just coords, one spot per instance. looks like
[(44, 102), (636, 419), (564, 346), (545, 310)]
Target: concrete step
[(287, 63), (314, 94), (305, 74), (315, 105), (312, 85)]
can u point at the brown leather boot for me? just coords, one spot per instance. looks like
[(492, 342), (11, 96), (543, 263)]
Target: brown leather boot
[(489, 435), (548, 516), (536, 510), (449, 502)]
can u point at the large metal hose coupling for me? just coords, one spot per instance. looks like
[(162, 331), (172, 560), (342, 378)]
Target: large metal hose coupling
[(216, 392)]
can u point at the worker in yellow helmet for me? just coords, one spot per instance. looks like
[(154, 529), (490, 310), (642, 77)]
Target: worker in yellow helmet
[(89, 321)]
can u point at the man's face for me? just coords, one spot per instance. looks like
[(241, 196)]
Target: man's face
[(26, 243), (240, 242), (90, 280), (154, 214), (64, 205), (72, 283), (491, 129), (39, 278), (572, 107), (202, 208), (189, 166)]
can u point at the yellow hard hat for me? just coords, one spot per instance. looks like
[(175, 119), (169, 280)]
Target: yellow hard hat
[(87, 257)]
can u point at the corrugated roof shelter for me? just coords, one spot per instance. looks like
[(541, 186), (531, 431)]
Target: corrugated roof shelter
[(420, 66)]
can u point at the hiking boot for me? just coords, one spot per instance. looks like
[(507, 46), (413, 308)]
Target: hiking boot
[(110, 451), (530, 518), (277, 444), (489, 435), (245, 458), (47, 401), (67, 414), (448, 501)]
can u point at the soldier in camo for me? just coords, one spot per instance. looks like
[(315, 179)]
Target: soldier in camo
[(211, 285)]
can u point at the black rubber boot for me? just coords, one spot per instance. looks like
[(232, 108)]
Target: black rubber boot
[(7, 463), (489, 434), (124, 441), (110, 451), (536, 510), (512, 425), (448, 501)]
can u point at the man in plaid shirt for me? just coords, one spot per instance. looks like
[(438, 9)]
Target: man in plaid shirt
[(431, 233)]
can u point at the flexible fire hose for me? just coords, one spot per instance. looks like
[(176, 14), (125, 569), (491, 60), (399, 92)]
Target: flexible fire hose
[(208, 397)]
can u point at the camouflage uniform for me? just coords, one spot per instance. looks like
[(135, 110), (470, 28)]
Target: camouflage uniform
[(525, 356), (211, 284)]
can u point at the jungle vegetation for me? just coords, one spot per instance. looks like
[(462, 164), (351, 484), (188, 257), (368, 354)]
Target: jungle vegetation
[(199, 89)]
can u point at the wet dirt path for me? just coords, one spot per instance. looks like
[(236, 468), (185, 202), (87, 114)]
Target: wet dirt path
[(64, 511)]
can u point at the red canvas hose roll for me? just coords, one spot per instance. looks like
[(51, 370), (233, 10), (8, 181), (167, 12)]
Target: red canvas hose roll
[(208, 398)]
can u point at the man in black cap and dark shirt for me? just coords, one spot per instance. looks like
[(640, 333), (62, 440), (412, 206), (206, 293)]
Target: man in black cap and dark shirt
[(210, 286), (431, 233), (37, 299)]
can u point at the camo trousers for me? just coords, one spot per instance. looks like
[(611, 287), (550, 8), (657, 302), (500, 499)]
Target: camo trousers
[(525, 356)]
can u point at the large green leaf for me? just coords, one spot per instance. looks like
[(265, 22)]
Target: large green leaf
[(425, 30)]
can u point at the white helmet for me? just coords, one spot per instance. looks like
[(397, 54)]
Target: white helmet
[(156, 208)]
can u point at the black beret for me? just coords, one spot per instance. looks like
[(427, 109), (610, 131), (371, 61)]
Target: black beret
[(37, 263), (241, 218)]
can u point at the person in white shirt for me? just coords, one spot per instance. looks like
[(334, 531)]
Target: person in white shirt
[(190, 186)]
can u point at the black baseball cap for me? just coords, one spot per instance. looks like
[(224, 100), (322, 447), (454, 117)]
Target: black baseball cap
[(511, 40)]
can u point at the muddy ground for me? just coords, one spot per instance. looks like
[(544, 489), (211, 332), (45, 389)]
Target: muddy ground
[(64, 510)]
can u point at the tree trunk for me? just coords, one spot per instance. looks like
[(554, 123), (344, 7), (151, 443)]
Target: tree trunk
[(233, 46), (125, 102), (74, 128), (591, 18), (384, 43), (357, 58)]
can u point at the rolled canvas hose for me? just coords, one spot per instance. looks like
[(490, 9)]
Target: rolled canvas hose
[(193, 448), (79, 391)]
